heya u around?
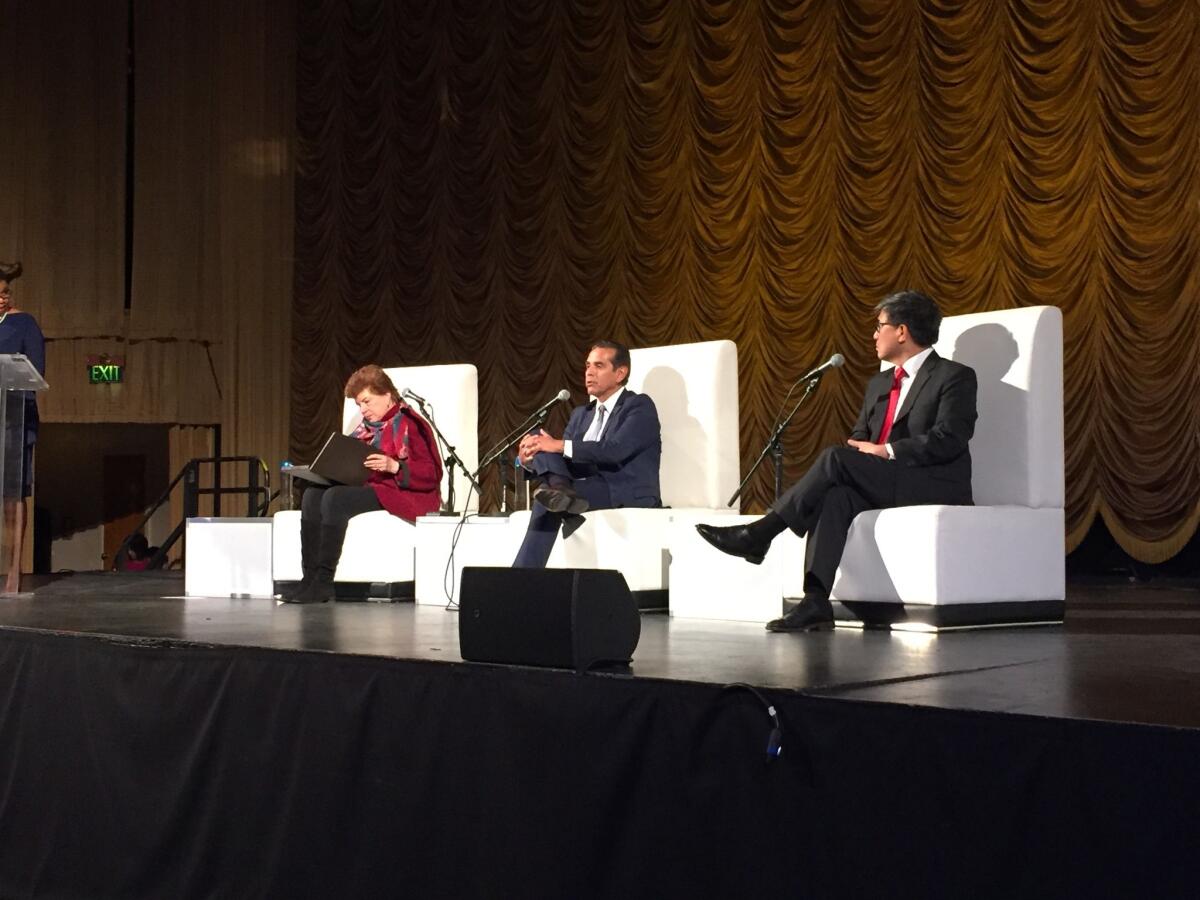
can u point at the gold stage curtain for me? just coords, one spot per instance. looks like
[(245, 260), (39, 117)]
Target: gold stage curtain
[(502, 182)]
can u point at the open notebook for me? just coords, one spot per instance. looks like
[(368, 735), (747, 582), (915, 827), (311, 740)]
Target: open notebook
[(339, 461)]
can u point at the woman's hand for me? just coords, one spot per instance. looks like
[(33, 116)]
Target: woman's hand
[(378, 462)]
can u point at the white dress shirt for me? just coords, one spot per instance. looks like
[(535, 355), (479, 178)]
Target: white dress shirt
[(609, 405)]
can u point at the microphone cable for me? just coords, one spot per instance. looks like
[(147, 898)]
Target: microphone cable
[(775, 737)]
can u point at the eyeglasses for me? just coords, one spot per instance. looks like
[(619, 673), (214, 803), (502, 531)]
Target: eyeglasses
[(879, 326)]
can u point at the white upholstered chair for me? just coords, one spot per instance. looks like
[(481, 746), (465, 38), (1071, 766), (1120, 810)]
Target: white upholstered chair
[(379, 548), (1001, 561), (695, 389)]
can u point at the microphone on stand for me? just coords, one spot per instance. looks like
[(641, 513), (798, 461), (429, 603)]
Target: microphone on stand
[(538, 416), (834, 362), (408, 394), (494, 455), (774, 446), (561, 397)]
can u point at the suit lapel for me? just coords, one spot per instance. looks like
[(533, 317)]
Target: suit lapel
[(589, 416), (612, 416), (923, 375)]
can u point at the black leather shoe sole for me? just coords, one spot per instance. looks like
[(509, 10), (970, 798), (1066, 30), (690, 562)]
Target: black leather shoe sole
[(809, 615), (781, 625), (315, 593)]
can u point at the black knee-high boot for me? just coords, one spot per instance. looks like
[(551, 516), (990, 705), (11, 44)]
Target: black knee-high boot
[(310, 546), (320, 589)]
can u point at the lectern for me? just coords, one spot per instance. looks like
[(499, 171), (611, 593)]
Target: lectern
[(17, 375)]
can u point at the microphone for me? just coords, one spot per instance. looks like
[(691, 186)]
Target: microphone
[(834, 362), (560, 397), (408, 394)]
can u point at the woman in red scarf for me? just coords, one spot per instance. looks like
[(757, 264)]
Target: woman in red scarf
[(406, 478)]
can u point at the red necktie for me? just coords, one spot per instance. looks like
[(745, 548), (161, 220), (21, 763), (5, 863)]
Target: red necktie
[(893, 402)]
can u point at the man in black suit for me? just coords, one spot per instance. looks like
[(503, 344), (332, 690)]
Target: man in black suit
[(909, 447), (607, 458)]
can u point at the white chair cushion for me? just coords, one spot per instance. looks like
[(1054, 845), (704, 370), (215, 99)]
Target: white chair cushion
[(709, 584), (953, 554), (379, 548)]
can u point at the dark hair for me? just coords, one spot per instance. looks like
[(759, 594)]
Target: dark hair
[(620, 355), (917, 311), (138, 547), (374, 379), (10, 271)]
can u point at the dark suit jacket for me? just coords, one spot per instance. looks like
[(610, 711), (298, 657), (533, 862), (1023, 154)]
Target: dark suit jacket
[(627, 455), (930, 433)]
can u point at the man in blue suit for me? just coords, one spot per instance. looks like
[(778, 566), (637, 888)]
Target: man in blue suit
[(607, 458)]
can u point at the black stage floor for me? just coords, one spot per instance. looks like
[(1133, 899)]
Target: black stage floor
[(155, 746), (1127, 653)]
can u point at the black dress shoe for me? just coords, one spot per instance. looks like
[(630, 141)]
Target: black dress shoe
[(736, 540), (560, 500), (810, 614)]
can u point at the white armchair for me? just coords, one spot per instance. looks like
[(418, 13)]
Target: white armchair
[(1001, 561), (452, 394), (695, 388)]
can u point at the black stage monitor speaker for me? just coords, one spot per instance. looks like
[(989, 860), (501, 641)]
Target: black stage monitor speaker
[(566, 618)]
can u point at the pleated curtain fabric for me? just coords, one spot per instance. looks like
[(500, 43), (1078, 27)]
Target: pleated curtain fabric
[(504, 183)]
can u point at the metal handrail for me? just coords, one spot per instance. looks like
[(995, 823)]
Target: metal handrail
[(258, 501)]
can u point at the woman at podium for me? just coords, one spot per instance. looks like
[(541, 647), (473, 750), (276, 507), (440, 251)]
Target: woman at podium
[(405, 479), (19, 333)]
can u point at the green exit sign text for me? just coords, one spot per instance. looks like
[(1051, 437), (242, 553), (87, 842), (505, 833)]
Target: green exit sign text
[(105, 370)]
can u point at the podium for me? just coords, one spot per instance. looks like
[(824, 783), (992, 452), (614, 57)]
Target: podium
[(17, 376)]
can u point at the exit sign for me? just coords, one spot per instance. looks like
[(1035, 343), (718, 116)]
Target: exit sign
[(105, 369)]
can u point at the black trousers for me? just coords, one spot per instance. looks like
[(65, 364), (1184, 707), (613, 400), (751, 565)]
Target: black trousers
[(544, 525), (324, 514), (842, 483), (337, 504)]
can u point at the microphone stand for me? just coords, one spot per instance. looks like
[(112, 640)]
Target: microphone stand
[(452, 459), (774, 445), (536, 420)]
